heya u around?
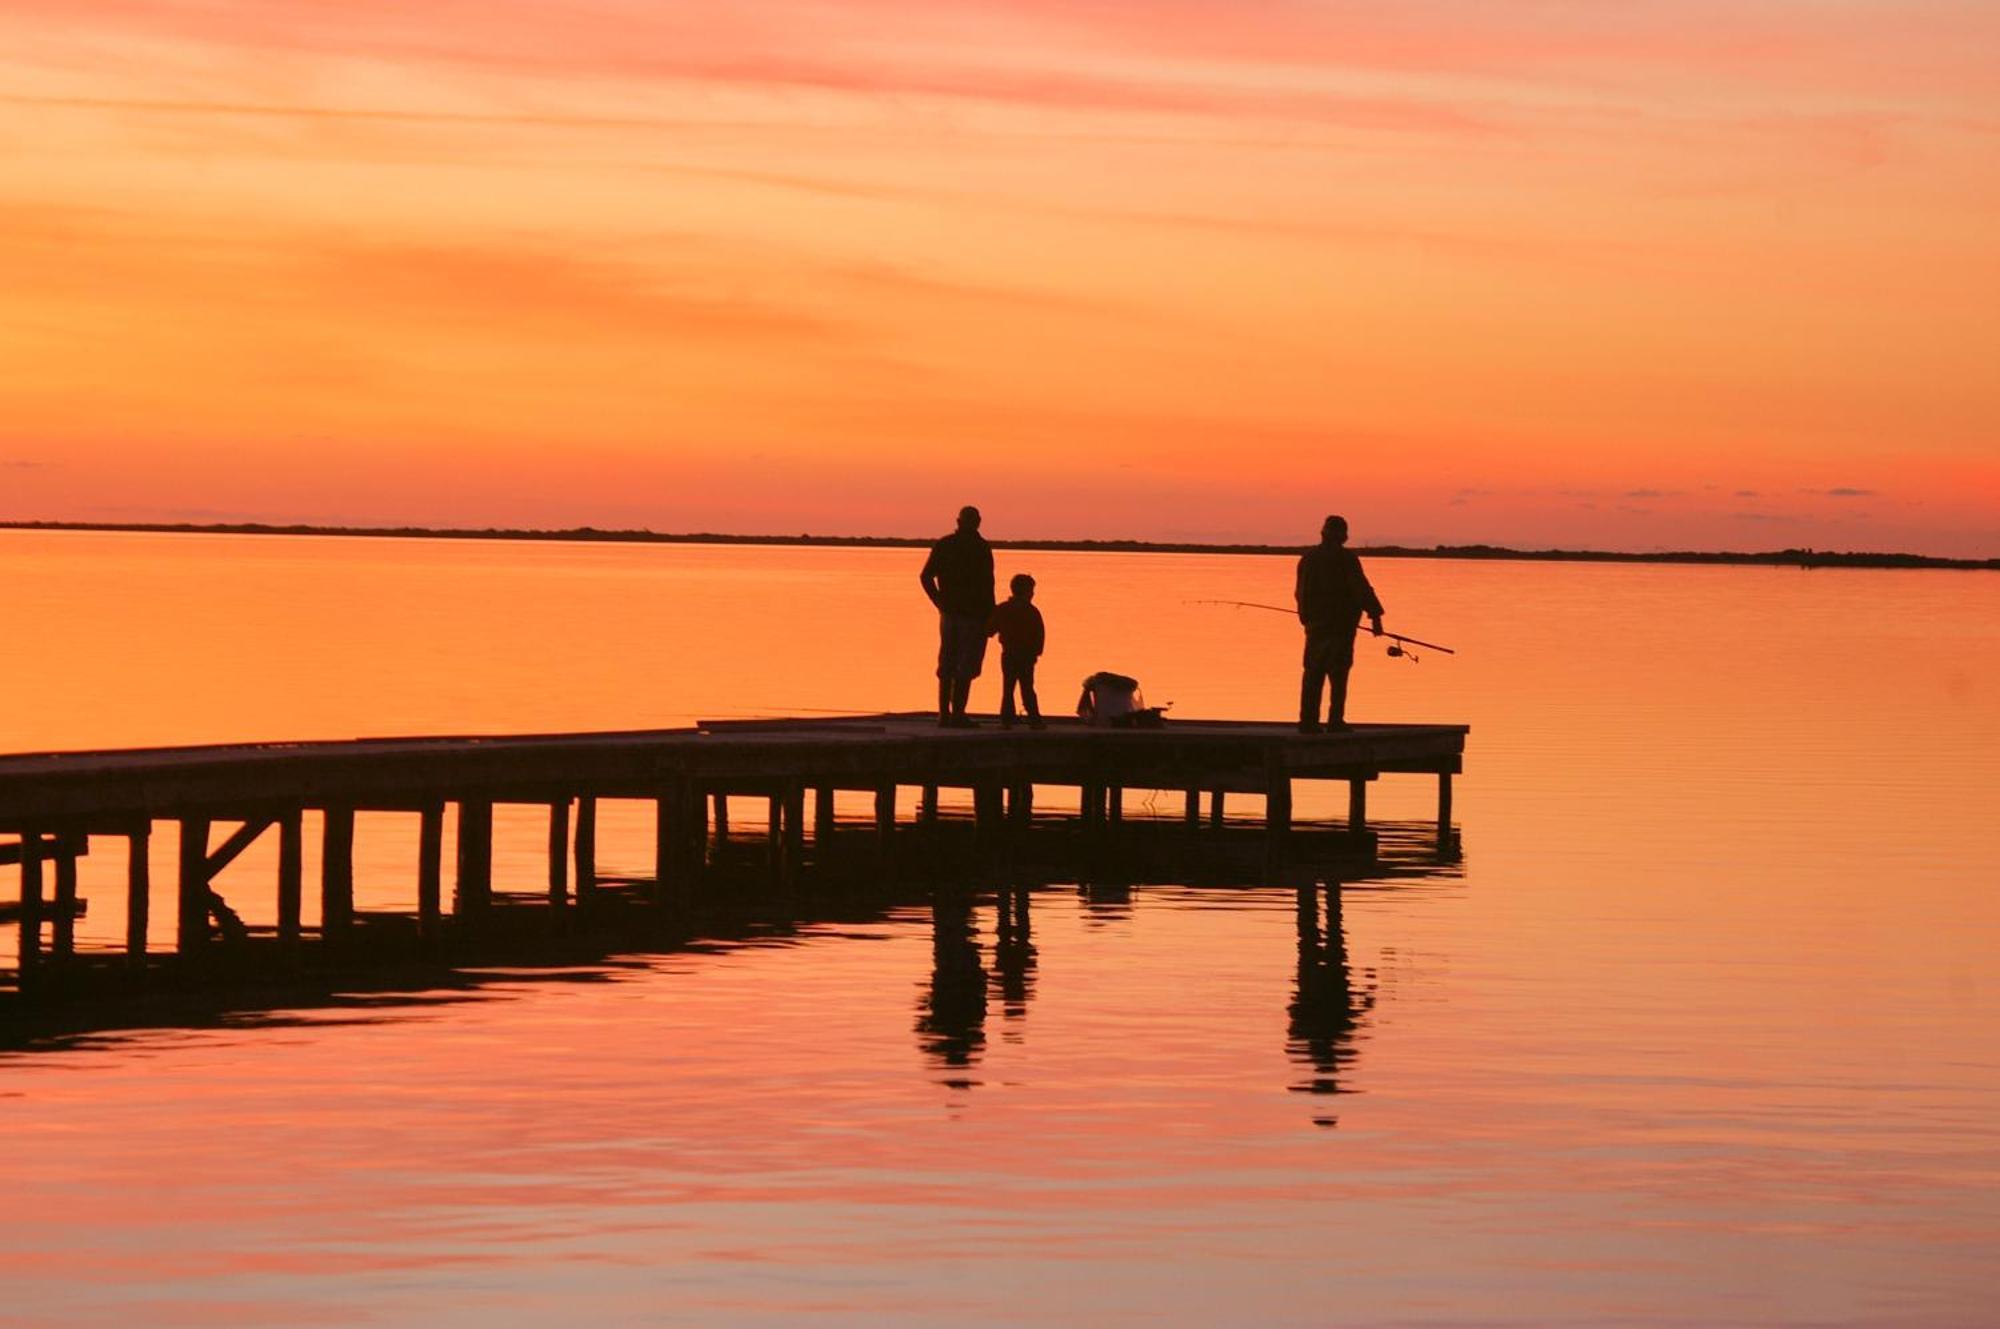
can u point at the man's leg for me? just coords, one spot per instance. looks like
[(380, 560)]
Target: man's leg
[(968, 658), (944, 668), (1311, 683), (1336, 705)]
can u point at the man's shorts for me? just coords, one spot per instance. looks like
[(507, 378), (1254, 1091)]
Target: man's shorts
[(1329, 650), (961, 645)]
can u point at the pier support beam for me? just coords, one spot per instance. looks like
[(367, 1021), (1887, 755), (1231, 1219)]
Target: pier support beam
[(1215, 809), (669, 810), (336, 874), (291, 874), (1092, 796), (795, 832), (1357, 806), (585, 849), (62, 939), (31, 905), (1278, 803), (1444, 807), (559, 854), (1193, 808), (721, 817), (191, 910), (774, 837), (138, 891), (927, 810), (1277, 816), (680, 850), (430, 872), (885, 829), (474, 891), (824, 816)]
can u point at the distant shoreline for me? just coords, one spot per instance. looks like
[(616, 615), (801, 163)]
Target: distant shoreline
[(1786, 558)]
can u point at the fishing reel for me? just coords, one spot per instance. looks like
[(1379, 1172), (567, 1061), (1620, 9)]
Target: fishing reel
[(1396, 652)]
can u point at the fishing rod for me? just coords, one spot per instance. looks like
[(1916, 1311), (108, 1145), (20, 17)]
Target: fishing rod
[(1396, 637)]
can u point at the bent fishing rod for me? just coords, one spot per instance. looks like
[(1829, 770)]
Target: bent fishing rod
[(1397, 637)]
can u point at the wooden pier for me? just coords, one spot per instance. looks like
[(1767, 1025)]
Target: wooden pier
[(55, 808)]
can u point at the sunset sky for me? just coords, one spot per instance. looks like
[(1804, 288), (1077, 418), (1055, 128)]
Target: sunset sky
[(1657, 273)]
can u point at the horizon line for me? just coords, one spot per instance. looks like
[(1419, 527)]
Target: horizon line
[(1791, 557)]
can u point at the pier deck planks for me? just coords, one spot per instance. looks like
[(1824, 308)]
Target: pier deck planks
[(114, 792)]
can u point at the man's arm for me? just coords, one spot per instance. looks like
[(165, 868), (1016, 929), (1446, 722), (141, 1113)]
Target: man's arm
[(1369, 600), (928, 578), (1299, 589)]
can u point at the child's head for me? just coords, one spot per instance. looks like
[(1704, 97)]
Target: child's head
[(1024, 586)]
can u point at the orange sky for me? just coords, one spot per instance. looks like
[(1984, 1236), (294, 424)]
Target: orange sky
[(1711, 273)]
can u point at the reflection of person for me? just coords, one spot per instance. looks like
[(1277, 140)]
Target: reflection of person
[(1022, 637), (1013, 952), (1332, 593), (952, 1014), (1326, 1010), (958, 578)]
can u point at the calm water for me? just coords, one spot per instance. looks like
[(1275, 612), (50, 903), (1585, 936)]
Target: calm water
[(1704, 1031)]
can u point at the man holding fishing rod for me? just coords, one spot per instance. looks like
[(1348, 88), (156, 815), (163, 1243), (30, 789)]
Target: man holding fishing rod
[(1332, 593)]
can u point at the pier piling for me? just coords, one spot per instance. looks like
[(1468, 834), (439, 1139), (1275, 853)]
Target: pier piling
[(336, 873), (474, 890), (430, 872), (62, 942), (192, 898), (291, 874), (138, 890), (559, 854), (31, 903), (586, 850)]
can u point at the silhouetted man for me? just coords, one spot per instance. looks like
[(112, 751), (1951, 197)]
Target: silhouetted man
[(958, 577), (1332, 594)]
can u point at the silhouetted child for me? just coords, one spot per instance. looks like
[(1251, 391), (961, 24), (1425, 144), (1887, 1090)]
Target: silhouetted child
[(1019, 626)]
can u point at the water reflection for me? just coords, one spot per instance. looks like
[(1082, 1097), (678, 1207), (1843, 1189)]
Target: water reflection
[(1013, 953), (1105, 902), (951, 1016), (1327, 1009)]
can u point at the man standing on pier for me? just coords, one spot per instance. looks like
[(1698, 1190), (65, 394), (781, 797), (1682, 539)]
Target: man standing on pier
[(1332, 593), (958, 577)]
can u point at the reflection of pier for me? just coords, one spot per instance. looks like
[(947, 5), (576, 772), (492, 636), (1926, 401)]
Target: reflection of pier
[(224, 799)]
